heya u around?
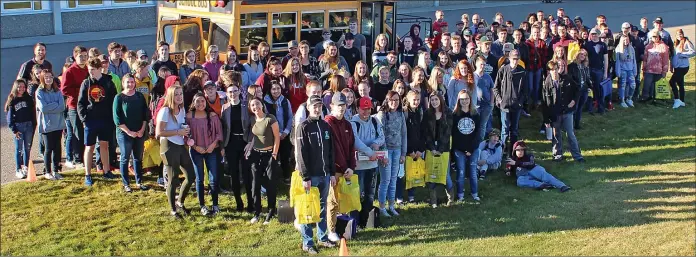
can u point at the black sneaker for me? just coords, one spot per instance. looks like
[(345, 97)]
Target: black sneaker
[(565, 189), (175, 215), (127, 189), (581, 160), (311, 250), (326, 244), (182, 208), (143, 187)]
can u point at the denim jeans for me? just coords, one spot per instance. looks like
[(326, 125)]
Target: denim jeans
[(367, 179), (510, 120), (69, 155), (387, 176), (463, 163), (23, 144), (627, 85), (484, 155), (564, 123), (322, 183), (678, 80), (534, 177), (582, 101), (597, 76), (210, 160), (636, 93), (130, 148), (485, 112), (534, 80), (649, 80), (76, 138)]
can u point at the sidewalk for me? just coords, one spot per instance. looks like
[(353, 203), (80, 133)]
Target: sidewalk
[(77, 37)]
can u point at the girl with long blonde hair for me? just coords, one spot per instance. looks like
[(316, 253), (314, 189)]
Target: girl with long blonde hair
[(626, 70)]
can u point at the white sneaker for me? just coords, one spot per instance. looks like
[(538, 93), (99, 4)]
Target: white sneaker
[(434, 206), (254, 220), (624, 105), (393, 211), (676, 104), (333, 237), (57, 175), (630, 103), (682, 103), (18, 174), (49, 176), (542, 131), (69, 165)]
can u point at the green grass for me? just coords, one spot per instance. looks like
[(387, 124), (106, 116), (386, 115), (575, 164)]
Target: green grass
[(636, 195)]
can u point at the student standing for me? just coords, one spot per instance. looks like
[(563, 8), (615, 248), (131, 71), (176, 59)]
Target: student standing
[(510, 92), (464, 132), (189, 65), (437, 122), (281, 108), (626, 69), (559, 94), (131, 116), (349, 52), (163, 59), (598, 57), (39, 58), (116, 63), (369, 137), (235, 134), (263, 157), (684, 50), (21, 120), (213, 63), (51, 122), (485, 97), (206, 133), (70, 87), (655, 64), (394, 123)]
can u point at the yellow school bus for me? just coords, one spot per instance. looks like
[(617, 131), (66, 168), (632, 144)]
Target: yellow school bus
[(196, 24)]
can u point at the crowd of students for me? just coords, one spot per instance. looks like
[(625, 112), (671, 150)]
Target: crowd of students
[(251, 125)]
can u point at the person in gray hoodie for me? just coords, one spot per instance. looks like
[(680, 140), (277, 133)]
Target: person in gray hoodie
[(369, 137), (393, 121), (51, 122)]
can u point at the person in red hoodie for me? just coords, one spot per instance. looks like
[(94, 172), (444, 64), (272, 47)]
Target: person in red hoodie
[(70, 87), (344, 155), (273, 72)]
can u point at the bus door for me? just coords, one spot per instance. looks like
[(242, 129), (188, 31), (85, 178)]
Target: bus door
[(182, 35), (378, 17)]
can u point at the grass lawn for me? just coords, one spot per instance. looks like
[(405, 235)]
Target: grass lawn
[(636, 195)]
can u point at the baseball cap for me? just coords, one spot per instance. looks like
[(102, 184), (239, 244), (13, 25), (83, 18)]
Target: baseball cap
[(625, 25), (578, 18), (365, 103), (292, 43), (315, 99), (209, 84), (103, 58), (484, 39), (471, 45), (141, 53), (595, 31), (460, 23), (634, 28), (338, 98), (507, 47), (658, 20), (349, 36), (466, 32)]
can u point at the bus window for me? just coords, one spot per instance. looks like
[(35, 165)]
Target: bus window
[(182, 37), (338, 22), (253, 29), (312, 26), (284, 30), (220, 35)]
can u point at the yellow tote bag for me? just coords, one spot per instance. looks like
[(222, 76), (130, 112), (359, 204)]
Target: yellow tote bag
[(296, 187), (662, 91), (307, 210), (415, 173), (573, 50), (348, 194), (436, 168)]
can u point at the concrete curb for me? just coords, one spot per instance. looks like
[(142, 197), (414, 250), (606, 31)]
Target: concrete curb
[(77, 37)]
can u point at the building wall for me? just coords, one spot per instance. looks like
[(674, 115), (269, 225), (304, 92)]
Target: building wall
[(458, 2), (28, 25), (416, 4), (111, 19)]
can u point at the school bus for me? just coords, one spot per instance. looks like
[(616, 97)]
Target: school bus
[(196, 24)]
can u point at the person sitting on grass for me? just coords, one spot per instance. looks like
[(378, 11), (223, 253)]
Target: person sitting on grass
[(490, 154), (528, 173)]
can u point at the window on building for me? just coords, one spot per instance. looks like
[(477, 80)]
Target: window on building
[(284, 30), (220, 36), (131, 1), (182, 37), (84, 3), (338, 22), (77, 4), (312, 26), (12, 6), (253, 29)]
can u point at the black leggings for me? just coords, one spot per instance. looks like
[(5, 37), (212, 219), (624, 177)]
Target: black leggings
[(176, 157), (234, 153), (52, 150), (678, 80), (263, 168)]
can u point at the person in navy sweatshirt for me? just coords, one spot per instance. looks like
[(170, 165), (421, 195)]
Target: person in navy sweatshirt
[(94, 107), (21, 119)]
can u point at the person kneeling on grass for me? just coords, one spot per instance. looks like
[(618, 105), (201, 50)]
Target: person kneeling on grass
[(528, 173), (490, 154)]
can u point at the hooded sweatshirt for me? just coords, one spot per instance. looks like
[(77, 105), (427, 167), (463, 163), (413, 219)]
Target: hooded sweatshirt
[(71, 82), (50, 106), (626, 61), (95, 103), (365, 137), (465, 131), (394, 125), (656, 58), (343, 143), (281, 108), (495, 152), (681, 57)]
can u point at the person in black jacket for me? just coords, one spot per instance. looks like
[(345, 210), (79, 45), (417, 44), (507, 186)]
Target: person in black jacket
[(510, 90), (559, 95), (528, 173), (579, 72), (315, 162), (437, 124), (94, 107), (465, 133), (414, 136)]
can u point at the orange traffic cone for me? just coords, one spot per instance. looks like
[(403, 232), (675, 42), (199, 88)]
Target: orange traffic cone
[(343, 251), (31, 177)]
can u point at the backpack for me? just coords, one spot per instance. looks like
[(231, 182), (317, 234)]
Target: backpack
[(374, 124)]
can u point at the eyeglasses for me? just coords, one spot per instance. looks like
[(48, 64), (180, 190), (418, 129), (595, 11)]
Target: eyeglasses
[(394, 100)]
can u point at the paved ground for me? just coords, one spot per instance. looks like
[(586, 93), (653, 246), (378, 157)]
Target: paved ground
[(675, 14)]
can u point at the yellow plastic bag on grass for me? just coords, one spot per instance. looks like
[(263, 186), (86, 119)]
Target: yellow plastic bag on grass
[(348, 194), (415, 173), (307, 209), (296, 186), (436, 168), (662, 91)]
